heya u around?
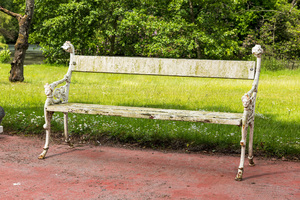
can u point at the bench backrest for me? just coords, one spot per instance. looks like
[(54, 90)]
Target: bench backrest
[(165, 66)]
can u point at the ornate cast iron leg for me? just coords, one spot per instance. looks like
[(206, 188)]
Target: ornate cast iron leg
[(47, 127), (239, 175), (250, 156)]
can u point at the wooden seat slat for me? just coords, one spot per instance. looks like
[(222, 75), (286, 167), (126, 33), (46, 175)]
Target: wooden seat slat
[(150, 113)]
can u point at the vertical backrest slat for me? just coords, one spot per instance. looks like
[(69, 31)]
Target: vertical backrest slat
[(165, 66)]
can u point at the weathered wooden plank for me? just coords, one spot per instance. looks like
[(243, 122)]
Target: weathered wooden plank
[(150, 113), (165, 66)]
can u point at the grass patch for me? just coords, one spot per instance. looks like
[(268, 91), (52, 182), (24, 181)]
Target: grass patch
[(277, 122)]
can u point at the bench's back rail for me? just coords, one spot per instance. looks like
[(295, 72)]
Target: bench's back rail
[(165, 66)]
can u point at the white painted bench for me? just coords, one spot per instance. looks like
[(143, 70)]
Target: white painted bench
[(57, 99)]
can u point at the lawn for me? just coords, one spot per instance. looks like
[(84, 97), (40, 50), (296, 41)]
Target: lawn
[(277, 121)]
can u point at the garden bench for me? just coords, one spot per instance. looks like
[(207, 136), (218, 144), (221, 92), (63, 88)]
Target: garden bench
[(57, 99)]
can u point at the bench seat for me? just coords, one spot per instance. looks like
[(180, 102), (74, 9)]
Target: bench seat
[(150, 113)]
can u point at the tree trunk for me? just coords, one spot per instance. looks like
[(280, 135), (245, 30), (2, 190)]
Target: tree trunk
[(294, 3), (17, 65)]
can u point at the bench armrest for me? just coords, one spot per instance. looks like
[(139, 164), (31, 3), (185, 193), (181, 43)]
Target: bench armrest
[(61, 94), (57, 95)]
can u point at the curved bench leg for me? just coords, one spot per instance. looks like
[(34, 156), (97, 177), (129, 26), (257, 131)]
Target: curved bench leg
[(250, 156), (47, 127), (239, 175)]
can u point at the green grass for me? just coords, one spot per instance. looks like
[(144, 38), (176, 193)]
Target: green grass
[(277, 121)]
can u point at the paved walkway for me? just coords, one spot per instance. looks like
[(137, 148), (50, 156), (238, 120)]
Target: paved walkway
[(89, 172)]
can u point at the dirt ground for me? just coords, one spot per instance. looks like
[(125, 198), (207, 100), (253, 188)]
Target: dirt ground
[(102, 172)]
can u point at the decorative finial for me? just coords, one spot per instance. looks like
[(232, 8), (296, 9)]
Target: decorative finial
[(257, 51), (68, 47)]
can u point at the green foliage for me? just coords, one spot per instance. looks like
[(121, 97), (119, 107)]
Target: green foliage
[(8, 24), (280, 32), (274, 25), (81, 22), (57, 22), (205, 29), (135, 28), (2, 42), (146, 35), (5, 55)]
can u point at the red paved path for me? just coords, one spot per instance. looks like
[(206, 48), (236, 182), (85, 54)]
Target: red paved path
[(89, 172)]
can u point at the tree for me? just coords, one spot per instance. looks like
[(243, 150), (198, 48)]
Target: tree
[(24, 21)]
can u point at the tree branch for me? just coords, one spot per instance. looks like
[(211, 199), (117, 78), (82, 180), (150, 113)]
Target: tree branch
[(9, 34), (16, 15), (29, 8), (294, 3)]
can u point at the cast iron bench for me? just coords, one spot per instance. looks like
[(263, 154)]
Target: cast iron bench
[(57, 99)]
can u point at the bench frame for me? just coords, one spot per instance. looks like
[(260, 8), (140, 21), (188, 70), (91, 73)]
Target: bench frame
[(59, 96)]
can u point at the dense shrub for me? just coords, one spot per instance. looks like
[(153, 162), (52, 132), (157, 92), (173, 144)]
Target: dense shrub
[(5, 55)]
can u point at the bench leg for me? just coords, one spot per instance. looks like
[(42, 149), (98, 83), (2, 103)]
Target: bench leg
[(250, 156), (47, 127), (239, 175), (66, 128)]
